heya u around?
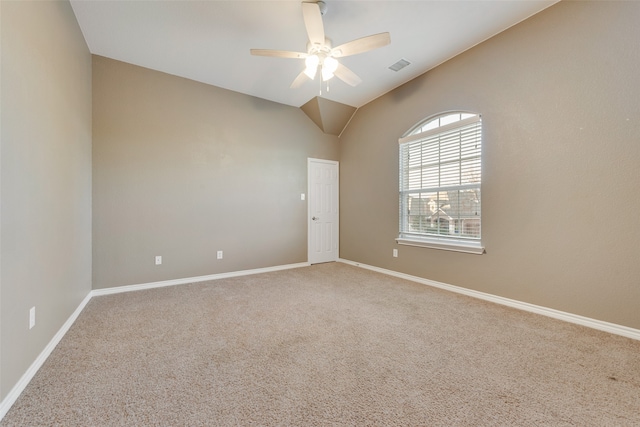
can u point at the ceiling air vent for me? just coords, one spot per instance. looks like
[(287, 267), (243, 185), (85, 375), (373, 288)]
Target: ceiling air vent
[(399, 65)]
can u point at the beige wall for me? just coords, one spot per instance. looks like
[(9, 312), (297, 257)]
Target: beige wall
[(559, 97), (45, 173), (183, 169)]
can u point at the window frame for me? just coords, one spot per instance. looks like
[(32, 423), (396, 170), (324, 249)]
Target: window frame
[(416, 134)]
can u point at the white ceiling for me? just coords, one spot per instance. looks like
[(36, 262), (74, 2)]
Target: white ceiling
[(209, 41)]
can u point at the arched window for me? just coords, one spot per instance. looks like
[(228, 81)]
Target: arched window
[(440, 183)]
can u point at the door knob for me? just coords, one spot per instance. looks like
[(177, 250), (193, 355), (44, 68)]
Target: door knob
[(315, 218)]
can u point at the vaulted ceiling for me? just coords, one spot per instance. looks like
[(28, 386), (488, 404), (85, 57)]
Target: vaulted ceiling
[(209, 41)]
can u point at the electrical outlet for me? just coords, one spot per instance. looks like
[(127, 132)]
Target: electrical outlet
[(219, 255), (158, 260), (32, 317), (395, 253)]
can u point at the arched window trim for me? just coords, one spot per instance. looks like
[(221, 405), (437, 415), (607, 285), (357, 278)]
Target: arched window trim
[(424, 135), (413, 130)]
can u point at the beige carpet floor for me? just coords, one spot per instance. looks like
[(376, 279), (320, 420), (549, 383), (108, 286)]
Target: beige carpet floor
[(327, 345)]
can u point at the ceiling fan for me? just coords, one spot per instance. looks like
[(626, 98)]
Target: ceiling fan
[(320, 55)]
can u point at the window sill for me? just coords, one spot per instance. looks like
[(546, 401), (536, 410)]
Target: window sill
[(444, 244)]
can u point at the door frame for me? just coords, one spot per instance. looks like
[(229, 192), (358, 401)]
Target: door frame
[(335, 163)]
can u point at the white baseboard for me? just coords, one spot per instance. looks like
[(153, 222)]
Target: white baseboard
[(15, 392), (549, 312), (22, 383), (130, 288)]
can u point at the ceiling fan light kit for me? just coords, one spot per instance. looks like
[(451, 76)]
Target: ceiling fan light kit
[(319, 53), (311, 66), (329, 66)]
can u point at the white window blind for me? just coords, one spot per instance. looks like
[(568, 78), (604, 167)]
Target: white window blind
[(440, 180)]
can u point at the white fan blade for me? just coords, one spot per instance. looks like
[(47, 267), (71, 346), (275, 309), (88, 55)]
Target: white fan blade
[(302, 77), (361, 45), (277, 53), (347, 76), (313, 22)]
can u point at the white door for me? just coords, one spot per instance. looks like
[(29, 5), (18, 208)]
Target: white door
[(323, 210)]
